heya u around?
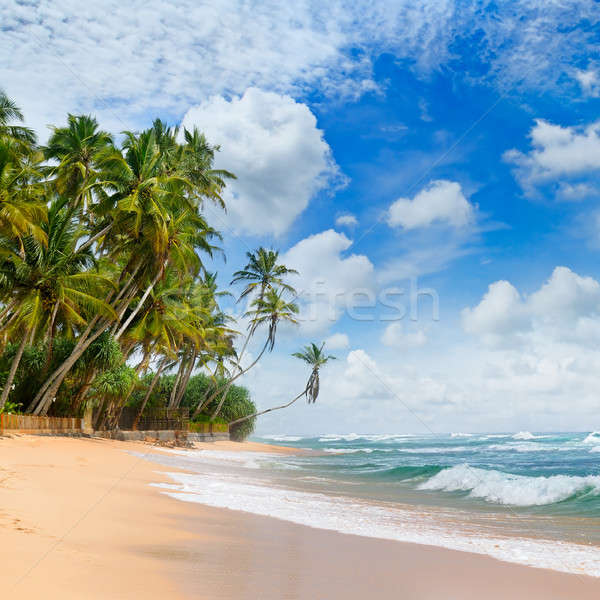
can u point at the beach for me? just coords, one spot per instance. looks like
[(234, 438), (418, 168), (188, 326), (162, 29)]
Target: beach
[(80, 518)]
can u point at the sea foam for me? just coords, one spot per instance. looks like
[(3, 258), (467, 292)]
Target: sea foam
[(371, 520), (508, 489), (592, 438)]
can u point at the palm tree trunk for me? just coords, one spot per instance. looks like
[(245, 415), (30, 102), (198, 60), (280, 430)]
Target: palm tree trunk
[(230, 383), (82, 339), (149, 392), (83, 390), (264, 412), (94, 238), (176, 383), (186, 378), (139, 305), (41, 398), (13, 371), (62, 371), (202, 403)]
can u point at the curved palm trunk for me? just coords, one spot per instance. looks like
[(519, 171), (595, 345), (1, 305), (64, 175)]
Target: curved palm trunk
[(186, 379), (42, 400), (13, 370), (89, 242), (173, 395), (202, 403), (139, 305), (37, 401), (83, 390), (153, 383), (61, 373), (268, 410), (230, 383)]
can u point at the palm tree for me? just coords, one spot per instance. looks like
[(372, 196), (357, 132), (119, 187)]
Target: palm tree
[(271, 310), (263, 273), (78, 148), (9, 112), (315, 358), (51, 284), (22, 209)]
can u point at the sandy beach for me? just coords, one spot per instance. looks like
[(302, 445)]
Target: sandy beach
[(78, 519)]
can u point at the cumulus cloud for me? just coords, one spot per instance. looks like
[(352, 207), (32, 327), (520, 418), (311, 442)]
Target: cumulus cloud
[(440, 202), (274, 147), (328, 278), (337, 341), (560, 158), (565, 309), (589, 81), (346, 221), (178, 54), (395, 336)]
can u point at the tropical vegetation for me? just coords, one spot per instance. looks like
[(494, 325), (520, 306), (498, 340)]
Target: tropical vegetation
[(107, 300)]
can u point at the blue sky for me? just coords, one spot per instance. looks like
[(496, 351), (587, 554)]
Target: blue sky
[(446, 145)]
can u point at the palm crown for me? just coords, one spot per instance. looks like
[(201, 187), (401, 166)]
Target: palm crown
[(316, 358), (263, 272)]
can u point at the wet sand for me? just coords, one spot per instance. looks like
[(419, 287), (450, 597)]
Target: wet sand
[(79, 520)]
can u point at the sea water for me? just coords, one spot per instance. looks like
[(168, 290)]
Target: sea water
[(530, 498)]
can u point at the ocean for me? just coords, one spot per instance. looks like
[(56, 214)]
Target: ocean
[(528, 498)]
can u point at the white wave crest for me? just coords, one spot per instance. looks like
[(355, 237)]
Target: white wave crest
[(370, 437), (362, 518), (508, 489), (461, 435), (347, 450), (595, 449), (434, 450), (592, 438), (527, 435), (283, 438)]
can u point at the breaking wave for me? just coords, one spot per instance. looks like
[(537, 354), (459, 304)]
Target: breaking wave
[(515, 490)]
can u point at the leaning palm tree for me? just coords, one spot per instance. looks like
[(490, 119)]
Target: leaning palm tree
[(315, 358), (271, 310), (262, 273)]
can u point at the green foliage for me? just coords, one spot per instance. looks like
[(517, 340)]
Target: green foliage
[(102, 266), (10, 408)]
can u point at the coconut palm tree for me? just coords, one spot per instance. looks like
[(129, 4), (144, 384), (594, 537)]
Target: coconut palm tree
[(52, 285), (270, 310), (22, 209), (9, 113), (78, 149), (315, 358), (263, 273)]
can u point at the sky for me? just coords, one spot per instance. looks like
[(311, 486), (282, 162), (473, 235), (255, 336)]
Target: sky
[(430, 169)]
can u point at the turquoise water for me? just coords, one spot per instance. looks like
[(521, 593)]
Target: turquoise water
[(530, 498), (528, 473)]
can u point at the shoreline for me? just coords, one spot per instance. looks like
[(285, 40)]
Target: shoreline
[(83, 514)]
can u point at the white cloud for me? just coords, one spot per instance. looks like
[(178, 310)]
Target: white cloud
[(273, 146), (440, 202), (346, 221), (395, 336), (178, 54), (337, 341), (589, 82), (327, 278), (560, 156), (500, 313), (565, 309)]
